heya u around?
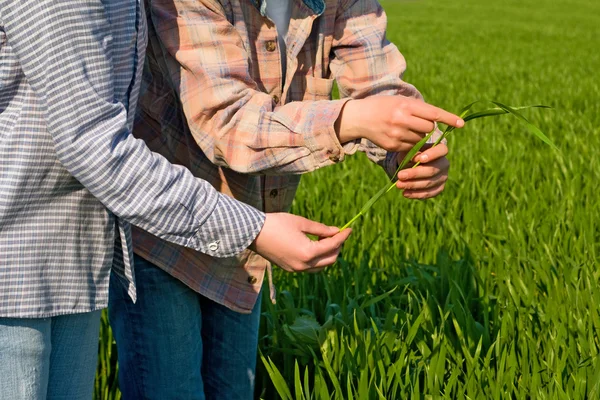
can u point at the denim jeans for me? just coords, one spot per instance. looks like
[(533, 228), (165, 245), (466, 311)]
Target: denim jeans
[(49, 358), (174, 343)]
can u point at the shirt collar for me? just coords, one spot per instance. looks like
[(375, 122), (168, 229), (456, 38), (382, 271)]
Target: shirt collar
[(317, 6)]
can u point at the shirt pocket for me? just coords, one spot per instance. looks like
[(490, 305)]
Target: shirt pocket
[(318, 88)]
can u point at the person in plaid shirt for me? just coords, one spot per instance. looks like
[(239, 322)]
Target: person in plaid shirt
[(239, 92)]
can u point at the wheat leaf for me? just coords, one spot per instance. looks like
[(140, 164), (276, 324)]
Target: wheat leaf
[(530, 127)]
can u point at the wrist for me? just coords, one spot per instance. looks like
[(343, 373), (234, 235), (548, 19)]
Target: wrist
[(347, 125)]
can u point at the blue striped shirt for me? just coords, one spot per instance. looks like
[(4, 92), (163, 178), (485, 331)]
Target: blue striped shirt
[(72, 177)]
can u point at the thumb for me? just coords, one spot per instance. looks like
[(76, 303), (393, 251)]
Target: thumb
[(333, 243), (318, 229)]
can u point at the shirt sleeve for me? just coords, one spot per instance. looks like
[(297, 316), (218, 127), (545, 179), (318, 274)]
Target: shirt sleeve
[(64, 49), (365, 64), (236, 125)]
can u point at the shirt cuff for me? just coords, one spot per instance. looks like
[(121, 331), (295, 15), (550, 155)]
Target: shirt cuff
[(323, 143), (230, 228)]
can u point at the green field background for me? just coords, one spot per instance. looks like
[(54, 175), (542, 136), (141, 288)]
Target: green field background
[(490, 291)]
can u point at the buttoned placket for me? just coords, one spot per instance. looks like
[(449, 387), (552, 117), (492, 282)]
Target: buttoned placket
[(303, 15), (270, 44), (302, 24)]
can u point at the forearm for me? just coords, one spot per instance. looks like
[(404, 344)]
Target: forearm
[(367, 65), (251, 136), (235, 123), (64, 52)]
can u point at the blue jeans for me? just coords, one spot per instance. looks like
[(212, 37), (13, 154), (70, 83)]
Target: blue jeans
[(49, 358), (174, 343)]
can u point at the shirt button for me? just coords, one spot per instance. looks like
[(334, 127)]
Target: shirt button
[(252, 280), (270, 45), (273, 193), (276, 99), (214, 246)]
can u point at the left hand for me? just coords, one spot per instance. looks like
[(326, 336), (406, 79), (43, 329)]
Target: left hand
[(429, 178)]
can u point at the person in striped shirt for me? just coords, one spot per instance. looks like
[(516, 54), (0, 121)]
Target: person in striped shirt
[(72, 181), (239, 92)]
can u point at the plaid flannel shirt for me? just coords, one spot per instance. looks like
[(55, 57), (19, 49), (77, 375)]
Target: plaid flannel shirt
[(215, 102)]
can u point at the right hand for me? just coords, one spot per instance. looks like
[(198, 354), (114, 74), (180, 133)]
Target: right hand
[(283, 241), (394, 123)]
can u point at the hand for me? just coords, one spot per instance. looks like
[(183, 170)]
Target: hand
[(395, 123), (429, 178), (283, 241)]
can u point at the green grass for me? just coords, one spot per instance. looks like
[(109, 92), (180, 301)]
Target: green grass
[(490, 291)]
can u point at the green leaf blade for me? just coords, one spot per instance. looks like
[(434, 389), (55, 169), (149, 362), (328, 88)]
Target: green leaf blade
[(530, 127)]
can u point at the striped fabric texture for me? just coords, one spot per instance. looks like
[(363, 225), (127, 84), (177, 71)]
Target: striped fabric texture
[(72, 177)]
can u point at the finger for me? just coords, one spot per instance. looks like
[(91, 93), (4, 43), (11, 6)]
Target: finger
[(432, 113), (327, 260), (424, 171), (423, 149), (403, 140), (419, 125), (330, 244), (431, 154), (421, 184), (317, 228), (423, 194)]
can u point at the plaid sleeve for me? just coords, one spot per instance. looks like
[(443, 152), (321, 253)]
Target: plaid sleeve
[(235, 124), (367, 64), (64, 48)]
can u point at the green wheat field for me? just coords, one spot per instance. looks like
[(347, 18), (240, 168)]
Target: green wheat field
[(490, 291)]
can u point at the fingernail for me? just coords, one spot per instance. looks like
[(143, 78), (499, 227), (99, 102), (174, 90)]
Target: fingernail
[(460, 123), (402, 176), (423, 158)]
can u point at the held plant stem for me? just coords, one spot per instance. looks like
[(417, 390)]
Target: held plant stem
[(467, 115)]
